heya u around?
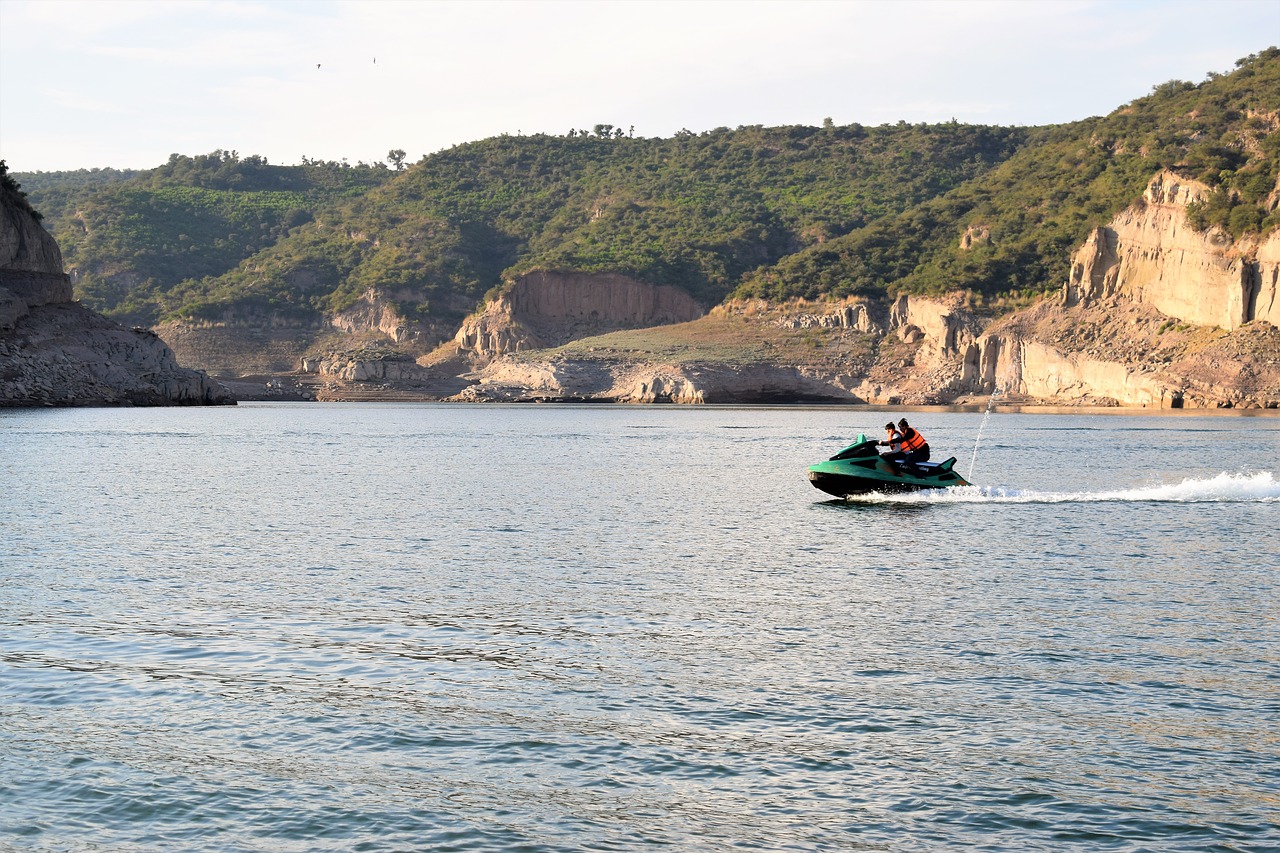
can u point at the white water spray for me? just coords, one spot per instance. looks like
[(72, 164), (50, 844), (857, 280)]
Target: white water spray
[(1226, 487), (974, 459)]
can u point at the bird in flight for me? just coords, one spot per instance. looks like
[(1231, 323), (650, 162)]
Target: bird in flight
[(317, 66)]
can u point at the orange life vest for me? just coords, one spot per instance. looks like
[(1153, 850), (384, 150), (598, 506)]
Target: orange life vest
[(912, 440)]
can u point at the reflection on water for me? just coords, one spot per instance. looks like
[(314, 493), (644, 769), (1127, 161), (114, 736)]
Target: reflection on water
[(475, 628)]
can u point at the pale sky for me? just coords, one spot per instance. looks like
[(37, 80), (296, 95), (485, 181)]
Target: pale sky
[(125, 84)]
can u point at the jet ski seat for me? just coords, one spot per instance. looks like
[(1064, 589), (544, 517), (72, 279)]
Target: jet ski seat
[(930, 468)]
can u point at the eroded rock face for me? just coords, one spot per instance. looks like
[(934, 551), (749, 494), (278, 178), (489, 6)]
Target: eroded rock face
[(239, 349), (941, 325), (373, 313), (1266, 295), (30, 263), (381, 313), (546, 309), (1150, 254), (510, 380), (66, 355), (1156, 315), (53, 351), (849, 313), (1120, 352), (366, 367), (1035, 370), (25, 246), (1112, 352)]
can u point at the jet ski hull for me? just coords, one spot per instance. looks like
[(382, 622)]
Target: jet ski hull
[(859, 469)]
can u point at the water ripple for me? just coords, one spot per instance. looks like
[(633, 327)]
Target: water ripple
[(329, 628)]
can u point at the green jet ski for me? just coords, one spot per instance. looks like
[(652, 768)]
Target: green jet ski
[(859, 469)]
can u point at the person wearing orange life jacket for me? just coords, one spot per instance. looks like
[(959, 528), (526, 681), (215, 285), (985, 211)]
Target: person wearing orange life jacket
[(908, 444)]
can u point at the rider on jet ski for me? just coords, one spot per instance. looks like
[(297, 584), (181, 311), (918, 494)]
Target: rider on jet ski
[(905, 444)]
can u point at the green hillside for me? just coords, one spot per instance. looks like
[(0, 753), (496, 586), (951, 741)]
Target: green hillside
[(771, 212), (1040, 204), (694, 211), (134, 236)]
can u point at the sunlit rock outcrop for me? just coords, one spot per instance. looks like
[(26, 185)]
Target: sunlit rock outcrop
[(850, 313), (1026, 368), (942, 326), (1266, 296), (374, 313), (545, 309), (1150, 254)]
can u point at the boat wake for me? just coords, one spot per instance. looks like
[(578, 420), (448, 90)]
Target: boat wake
[(1261, 487)]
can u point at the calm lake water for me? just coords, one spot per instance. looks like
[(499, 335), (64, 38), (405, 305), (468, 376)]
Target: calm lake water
[(356, 627)]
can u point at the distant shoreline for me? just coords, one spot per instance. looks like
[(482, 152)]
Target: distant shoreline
[(967, 408)]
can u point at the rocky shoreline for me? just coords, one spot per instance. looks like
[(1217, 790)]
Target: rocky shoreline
[(55, 352), (1155, 315)]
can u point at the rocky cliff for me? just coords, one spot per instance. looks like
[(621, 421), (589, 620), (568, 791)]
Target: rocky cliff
[(55, 352), (754, 352), (1155, 314), (1151, 255), (1103, 355), (1127, 353), (545, 309)]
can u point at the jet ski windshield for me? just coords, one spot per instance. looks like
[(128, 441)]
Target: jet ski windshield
[(860, 449)]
